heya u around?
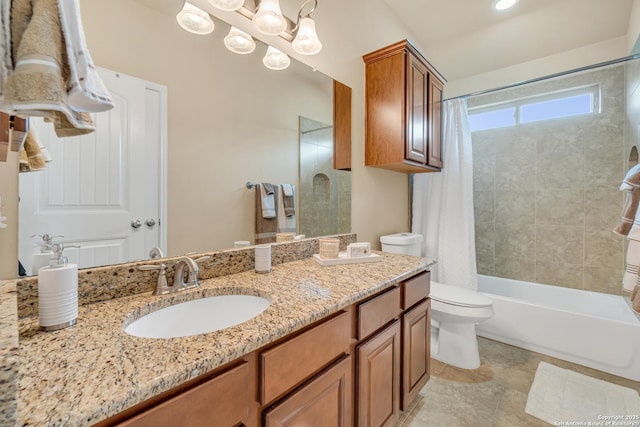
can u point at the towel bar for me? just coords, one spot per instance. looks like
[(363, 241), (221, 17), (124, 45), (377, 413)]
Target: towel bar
[(250, 185)]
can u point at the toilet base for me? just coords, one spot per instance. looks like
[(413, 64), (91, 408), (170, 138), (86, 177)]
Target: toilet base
[(456, 345)]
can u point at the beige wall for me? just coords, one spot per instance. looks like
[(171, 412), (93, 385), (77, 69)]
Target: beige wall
[(546, 194)]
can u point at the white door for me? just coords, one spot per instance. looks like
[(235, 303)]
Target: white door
[(99, 184)]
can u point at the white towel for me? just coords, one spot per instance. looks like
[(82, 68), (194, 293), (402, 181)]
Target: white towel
[(268, 202), (86, 90), (287, 189), (37, 86), (630, 277), (286, 224)]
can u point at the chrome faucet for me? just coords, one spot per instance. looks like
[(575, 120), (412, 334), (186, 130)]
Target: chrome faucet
[(191, 273), (186, 267), (156, 252)]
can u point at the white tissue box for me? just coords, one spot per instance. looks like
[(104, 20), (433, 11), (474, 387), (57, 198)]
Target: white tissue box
[(358, 250)]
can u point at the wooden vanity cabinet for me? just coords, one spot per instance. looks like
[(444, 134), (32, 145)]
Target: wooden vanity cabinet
[(225, 400), (378, 360), (359, 366), (416, 337), (403, 95), (325, 401)]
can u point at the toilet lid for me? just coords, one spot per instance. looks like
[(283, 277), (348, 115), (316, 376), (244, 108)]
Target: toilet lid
[(456, 295)]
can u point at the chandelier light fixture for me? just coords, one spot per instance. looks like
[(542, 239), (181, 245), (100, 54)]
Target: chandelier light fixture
[(267, 18), (194, 19), (275, 59), (227, 5), (237, 41), (306, 41)]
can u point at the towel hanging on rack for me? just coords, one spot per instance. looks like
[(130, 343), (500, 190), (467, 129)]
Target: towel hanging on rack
[(53, 75), (86, 89), (286, 217), (266, 227)]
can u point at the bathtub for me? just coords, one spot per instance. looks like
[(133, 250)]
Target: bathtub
[(588, 328)]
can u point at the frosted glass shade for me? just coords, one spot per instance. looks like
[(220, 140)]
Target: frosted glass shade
[(268, 19), (194, 19), (238, 41), (306, 41), (228, 5), (275, 59)]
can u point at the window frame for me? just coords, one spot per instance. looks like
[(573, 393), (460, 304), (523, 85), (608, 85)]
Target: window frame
[(591, 89)]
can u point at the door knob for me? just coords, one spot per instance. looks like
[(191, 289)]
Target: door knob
[(150, 222), (136, 223)]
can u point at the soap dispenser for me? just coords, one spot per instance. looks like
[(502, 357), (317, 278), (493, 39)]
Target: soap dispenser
[(43, 252), (57, 291)]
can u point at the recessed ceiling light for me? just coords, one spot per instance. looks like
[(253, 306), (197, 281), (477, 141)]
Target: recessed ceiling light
[(504, 4)]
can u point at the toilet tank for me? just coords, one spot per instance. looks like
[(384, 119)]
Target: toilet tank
[(402, 243)]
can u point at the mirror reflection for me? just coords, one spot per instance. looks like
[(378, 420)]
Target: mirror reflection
[(229, 120)]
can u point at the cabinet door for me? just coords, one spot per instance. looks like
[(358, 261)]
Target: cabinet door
[(416, 111), (435, 122), (378, 379), (416, 336), (220, 402), (326, 402)]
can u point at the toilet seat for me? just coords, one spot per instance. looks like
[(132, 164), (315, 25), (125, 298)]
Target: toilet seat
[(455, 295)]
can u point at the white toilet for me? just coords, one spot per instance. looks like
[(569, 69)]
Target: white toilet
[(454, 311)]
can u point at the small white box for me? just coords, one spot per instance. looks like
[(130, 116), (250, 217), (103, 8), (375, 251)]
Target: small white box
[(358, 250)]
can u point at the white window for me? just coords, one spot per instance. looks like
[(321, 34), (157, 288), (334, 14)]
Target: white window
[(554, 105)]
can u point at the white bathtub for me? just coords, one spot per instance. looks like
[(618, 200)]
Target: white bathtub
[(589, 328)]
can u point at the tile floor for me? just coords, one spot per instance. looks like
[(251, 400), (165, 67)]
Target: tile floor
[(494, 395)]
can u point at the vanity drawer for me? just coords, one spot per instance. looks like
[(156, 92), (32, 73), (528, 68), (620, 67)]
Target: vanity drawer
[(288, 364), (225, 398), (415, 290), (377, 312)]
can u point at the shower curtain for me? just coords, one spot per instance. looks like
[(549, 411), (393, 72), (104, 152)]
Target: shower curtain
[(443, 204)]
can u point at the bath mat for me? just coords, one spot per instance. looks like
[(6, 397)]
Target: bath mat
[(563, 397)]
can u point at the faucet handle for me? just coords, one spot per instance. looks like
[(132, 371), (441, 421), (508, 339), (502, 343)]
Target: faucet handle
[(203, 258), (162, 287)]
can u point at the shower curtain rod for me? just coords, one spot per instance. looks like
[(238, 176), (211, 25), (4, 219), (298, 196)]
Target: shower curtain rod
[(538, 79)]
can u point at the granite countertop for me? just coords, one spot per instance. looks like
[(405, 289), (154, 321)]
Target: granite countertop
[(83, 374), (8, 353)]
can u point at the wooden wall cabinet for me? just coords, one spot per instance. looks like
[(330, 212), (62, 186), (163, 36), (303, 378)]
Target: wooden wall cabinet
[(403, 96), (341, 126)]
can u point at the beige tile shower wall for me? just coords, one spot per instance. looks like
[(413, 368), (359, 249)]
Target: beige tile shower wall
[(546, 194), (325, 193)]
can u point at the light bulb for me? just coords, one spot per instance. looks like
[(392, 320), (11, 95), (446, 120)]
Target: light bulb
[(306, 41), (268, 19), (504, 4), (228, 5), (275, 59), (194, 19), (238, 41)]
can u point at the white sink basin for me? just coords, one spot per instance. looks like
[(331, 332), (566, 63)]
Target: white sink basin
[(198, 316)]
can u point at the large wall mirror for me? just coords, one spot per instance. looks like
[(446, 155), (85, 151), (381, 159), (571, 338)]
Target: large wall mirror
[(229, 120)]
